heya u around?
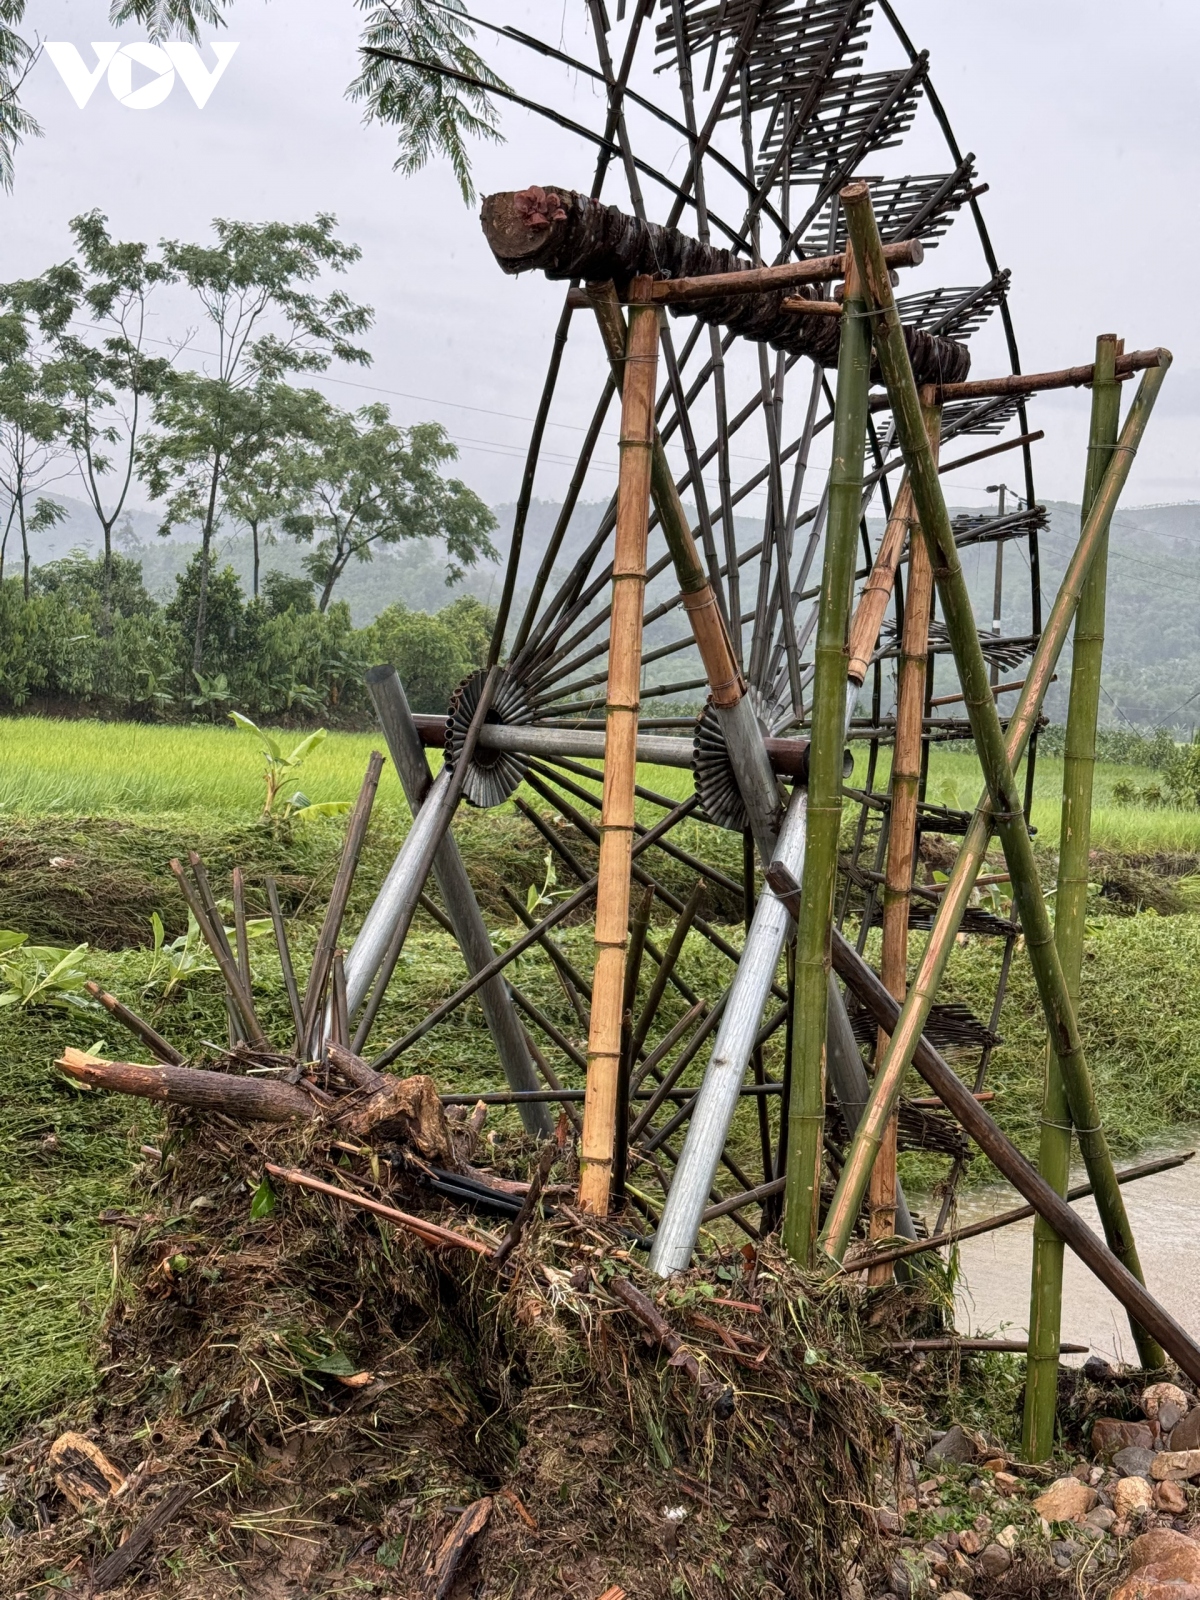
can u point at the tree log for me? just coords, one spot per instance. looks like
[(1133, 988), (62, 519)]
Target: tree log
[(243, 1099), (568, 235)]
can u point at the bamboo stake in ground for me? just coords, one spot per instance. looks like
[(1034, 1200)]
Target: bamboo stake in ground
[(902, 839), (620, 752), (1054, 1152), (806, 1110), (1010, 822)]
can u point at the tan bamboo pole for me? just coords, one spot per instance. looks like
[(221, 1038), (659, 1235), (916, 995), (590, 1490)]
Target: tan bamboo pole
[(877, 591), (902, 840), (620, 750)]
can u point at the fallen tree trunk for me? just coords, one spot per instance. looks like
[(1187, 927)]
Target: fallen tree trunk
[(243, 1099), (569, 235)]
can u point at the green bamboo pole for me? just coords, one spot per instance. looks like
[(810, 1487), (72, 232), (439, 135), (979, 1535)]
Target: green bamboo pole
[(806, 1106), (1054, 1152), (1009, 819)]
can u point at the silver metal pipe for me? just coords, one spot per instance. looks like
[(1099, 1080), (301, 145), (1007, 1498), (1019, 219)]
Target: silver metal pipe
[(659, 750), (396, 901), (408, 755), (718, 1098)]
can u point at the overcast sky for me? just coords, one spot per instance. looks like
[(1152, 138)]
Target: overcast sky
[(1083, 123)]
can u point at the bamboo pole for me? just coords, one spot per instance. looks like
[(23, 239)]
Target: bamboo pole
[(1054, 1151), (806, 1110), (877, 592), (990, 744), (1038, 382), (633, 970), (620, 755), (285, 961), (906, 1035), (901, 850)]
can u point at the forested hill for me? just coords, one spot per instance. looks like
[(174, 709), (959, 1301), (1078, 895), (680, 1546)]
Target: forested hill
[(1152, 653)]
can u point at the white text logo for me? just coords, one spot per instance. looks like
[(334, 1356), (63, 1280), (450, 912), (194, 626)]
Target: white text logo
[(118, 61)]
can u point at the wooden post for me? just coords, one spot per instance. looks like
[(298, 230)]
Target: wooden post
[(806, 1109), (1057, 1006), (902, 839), (620, 750), (1054, 1151)]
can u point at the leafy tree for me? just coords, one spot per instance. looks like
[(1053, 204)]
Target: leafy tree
[(220, 594), (371, 482), (283, 592), (105, 378), (266, 323), (409, 48), (426, 652), (33, 424)]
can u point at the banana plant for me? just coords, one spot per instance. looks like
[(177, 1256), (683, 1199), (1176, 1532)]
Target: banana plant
[(279, 766)]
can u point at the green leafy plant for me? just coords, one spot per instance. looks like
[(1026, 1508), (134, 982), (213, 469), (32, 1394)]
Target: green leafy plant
[(280, 766), (41, 975), (535, 897)]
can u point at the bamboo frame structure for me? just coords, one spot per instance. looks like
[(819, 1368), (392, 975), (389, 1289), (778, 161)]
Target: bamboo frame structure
[(902, 842), (1079, 759), (806, 1106), (620, 752), (989, 738)]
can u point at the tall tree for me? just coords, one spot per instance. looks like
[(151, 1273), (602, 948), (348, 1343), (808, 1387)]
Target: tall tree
[(92, 313), (406, 44), (33, 424), (265, 321), (370, 482)]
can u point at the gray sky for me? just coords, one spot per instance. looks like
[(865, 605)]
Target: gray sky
[(1083, 124)]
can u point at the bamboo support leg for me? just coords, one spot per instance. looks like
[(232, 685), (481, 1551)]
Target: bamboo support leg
[(1054, 1153), (806, 1111), (902, 839), (990, 742), (620, 759)]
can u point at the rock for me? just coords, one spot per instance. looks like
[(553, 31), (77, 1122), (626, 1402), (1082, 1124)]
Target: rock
[(956, 1446), (1131, 1497), (995, 1560), (1146, 1586), (955, 1594), (1007, 1482), (1147, 1547), (1066, 1500), (1176, 1464), (1065, 1552), (1158, 1545), (1160, 1394), (1101, 1517), (1169, 1414), (1169, 1497), (970, 1542), (1097, 1370), (1008, 1537), (1133, 1462), (982, 1523), (1109, 1435), (887, 1521), (1185, 1435)]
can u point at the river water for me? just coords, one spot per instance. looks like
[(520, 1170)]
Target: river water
[(1164, 1211)]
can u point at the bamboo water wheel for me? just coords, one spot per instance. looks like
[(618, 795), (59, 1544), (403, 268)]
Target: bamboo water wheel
[(784, 106)]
